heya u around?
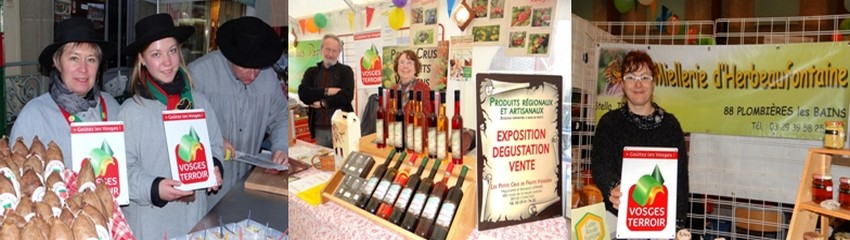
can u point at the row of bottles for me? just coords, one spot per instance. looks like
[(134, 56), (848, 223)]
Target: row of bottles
[(414, 131), (421, 205)]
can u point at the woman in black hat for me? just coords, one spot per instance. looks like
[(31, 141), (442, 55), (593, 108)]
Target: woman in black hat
[(73, 61), (160, 82)]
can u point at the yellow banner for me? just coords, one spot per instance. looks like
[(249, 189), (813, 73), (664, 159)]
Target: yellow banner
[(786, 91)]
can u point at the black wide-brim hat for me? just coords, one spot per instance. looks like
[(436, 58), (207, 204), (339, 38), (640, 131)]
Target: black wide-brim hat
[(76, 29), (249, 42), (156, 27)]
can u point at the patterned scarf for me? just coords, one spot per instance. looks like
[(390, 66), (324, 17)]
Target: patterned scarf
[(73, 103), (650, 122), (174, 95)]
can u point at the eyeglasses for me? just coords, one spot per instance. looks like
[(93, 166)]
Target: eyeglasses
[(632, 78)]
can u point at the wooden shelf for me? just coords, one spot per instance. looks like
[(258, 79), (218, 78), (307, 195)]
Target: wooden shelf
[(806, 213), (465, 220)]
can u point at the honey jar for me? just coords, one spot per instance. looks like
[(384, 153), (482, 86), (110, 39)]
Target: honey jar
[(833, 135), (821, 187), (844, 193)]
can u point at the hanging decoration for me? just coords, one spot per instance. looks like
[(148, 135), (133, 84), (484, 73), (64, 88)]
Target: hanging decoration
[(837, 37), (400, 3), (295, 37), (396, 18), (450, 5), (311, 26), (369, 13), (624, 6), (661, 19), (303, 24), (463, 15), (321, 20), (351, 21)]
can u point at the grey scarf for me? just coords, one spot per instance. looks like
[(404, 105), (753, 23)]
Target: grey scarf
[(70, 101)]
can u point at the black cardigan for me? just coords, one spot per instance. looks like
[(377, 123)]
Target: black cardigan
[(614, 132), (310, 91)]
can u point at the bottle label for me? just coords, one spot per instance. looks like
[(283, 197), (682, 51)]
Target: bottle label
[(441, 145), (409, 136), (390, 134), (379, 130), (431, 207), (367, 189), (417, 140), (456, 143), (447, 212), (432, 141), (382, 189), (403, 198), (417, 203), (399, 140), (392, 193)]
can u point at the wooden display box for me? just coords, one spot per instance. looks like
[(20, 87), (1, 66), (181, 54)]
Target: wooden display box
[(465, 218), (806, 213)]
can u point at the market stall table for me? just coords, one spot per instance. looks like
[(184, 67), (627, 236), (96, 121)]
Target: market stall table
[(333, 221), (234, 207)]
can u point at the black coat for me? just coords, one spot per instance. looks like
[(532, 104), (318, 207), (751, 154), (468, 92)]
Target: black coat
[(311, 91)]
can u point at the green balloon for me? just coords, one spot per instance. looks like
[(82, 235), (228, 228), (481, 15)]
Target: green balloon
[(624, 6), (321, 20), (845, 24)]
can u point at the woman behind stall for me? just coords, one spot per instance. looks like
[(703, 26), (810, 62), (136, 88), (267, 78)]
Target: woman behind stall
[(160, 82), (407, 66), (74, 63), (639, 122)]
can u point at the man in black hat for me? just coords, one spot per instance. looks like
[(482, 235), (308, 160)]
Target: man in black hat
[(326, 87), (245, 92)]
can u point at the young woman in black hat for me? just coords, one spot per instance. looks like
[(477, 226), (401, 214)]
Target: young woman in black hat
[(73, 61), (160, 82)]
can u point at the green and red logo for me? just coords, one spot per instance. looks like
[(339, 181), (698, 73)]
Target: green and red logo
[(647, 204), (370, 66), (105, 167), (191, 158)]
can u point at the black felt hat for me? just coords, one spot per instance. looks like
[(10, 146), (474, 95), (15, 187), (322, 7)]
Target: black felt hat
[(156, 27), (249, 42), (76, 29)]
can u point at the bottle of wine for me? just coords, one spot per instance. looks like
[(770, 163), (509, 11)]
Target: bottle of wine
[(389, 117), (420, 128), (442, 129), (409, 121), (432, 130), (363, 197), (432, 206), (417, 203), (399, 123), (449, 208), (380, 125), (384, 185), (457, 126), (401, 180), (400, 205)]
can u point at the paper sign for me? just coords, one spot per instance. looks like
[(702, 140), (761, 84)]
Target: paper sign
[(649, 174), (189, 148), (589, 223), (102, 144)]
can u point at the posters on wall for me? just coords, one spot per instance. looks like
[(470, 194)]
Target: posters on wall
[(650, 175), (368, 72), (423, 23), (434, 64), (786, 91), (301, 57), (530, 27), (460, 58), (519, 148)]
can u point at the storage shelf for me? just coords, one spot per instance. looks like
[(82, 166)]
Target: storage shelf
[(815, 208), (807, 214)]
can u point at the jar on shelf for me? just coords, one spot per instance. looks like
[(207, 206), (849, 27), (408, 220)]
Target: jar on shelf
[(833, 135), (821, 187), (844, 193)]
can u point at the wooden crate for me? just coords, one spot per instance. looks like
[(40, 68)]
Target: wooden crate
[(806, 213), (465, 218)]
